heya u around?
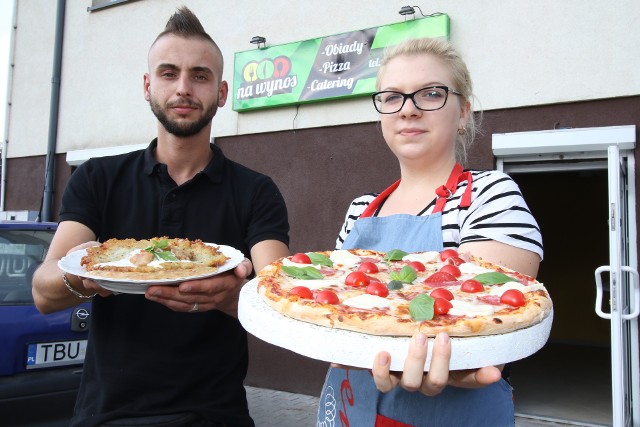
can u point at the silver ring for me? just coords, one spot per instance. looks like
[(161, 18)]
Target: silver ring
[(195, 307)]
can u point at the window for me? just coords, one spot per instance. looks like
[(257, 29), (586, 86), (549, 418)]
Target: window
[(21, 252), (102, 4)]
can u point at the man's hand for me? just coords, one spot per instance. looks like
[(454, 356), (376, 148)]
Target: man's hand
[(90, 286), (219, 292), (49, 291)]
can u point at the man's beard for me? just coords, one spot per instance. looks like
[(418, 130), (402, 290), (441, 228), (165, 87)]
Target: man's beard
[(183, 129)]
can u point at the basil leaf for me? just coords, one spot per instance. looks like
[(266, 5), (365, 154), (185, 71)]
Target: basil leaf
[(161, 244), (319, 259), (421, 308), (165, 256), (494, 278), (160, 251), (395, 255), (305, 273), (312, 273), (406, 275), (394, 285)]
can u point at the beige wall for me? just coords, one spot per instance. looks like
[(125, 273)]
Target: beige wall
[(521, 53)]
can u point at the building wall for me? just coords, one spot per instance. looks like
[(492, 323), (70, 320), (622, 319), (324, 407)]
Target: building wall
[(519, 53)]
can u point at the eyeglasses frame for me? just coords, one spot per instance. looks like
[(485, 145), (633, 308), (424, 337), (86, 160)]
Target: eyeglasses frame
[(406, 96)]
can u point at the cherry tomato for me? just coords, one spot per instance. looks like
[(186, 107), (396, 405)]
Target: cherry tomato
[(441, 306), (417, 266), (301, 258), (301, 291), (451, 269), (327, 297), (442, 293), (448, 253), (377, 288), (368, 267), (471, 286), (512, 297), (439, 277), (455, 260), (357, 279)]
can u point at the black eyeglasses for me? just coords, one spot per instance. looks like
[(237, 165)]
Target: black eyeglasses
[(425, 99)]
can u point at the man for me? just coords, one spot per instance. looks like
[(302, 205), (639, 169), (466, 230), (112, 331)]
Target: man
[(177, 355)]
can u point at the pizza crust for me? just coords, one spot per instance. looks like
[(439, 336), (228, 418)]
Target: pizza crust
[(274, 284), (129, 259)]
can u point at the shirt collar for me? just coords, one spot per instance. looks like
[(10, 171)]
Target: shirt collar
[(213, 170)]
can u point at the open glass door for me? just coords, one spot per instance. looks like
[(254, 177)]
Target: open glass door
[(618, 300), (624, 302)]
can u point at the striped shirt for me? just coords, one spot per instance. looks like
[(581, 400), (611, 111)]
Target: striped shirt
[(497, 212)]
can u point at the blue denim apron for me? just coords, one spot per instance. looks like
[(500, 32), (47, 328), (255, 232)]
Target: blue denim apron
[(349, 396)]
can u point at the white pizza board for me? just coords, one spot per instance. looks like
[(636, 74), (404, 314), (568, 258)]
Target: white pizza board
[(359, 350)]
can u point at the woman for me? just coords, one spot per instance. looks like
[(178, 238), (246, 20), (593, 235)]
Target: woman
[(424, 101)]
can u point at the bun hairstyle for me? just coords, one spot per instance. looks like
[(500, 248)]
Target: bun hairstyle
[(460, 76)]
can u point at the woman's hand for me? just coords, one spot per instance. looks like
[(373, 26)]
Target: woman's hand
[(431, 383)]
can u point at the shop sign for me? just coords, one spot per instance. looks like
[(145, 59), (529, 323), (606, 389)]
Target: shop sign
[(331, 67)]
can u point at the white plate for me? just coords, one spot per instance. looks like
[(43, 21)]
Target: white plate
[(357, 349), (71, 264)]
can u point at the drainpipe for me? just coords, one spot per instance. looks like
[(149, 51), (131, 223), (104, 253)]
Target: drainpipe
[(47, 201), (5, 137)]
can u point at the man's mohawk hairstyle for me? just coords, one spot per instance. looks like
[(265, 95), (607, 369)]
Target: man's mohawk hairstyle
[(185, 23)]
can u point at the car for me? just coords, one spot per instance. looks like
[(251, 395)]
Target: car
[(41, 355)]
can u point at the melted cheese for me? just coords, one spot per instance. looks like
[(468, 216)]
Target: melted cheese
[(367, 301), (345, 258), (289, 263), (473, 269), (316, 283), (499, 290), (425, 257), (124, 262), (470, 309)]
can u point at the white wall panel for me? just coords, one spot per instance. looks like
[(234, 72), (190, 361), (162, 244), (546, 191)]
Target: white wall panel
[(521, 53)]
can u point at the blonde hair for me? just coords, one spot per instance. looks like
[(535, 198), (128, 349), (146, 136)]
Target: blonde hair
[(445, 51)]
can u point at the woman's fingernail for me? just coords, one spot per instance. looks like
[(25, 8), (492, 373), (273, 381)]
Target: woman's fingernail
[(443, 338), (383, 359), (421, 338)]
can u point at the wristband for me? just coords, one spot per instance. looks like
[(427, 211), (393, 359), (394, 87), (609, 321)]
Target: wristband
[(73, 291)]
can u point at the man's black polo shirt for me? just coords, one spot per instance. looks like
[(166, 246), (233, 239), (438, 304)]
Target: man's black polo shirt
[(142, 357)]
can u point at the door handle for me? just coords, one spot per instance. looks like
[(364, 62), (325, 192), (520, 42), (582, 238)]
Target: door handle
[(599, 311), (635, 292)]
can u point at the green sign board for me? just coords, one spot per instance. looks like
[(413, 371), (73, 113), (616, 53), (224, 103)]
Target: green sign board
[(338, 66)]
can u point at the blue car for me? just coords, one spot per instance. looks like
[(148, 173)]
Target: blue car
[(41, 356)]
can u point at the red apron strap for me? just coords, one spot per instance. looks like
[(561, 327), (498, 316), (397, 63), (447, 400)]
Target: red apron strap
[(445, 191), (382, 421), (375, 204)]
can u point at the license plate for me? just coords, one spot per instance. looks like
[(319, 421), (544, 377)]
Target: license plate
[(45, 355)]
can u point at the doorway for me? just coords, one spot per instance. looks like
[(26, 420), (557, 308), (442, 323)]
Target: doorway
[(570, 378)]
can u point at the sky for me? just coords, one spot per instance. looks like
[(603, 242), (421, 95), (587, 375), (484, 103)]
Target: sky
[(6, 15)]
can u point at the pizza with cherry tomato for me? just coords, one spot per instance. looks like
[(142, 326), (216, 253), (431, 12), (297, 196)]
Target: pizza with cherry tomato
[(398, 293)]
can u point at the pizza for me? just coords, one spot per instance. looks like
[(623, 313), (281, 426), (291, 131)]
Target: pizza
[(157, 258), (398, 293)]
